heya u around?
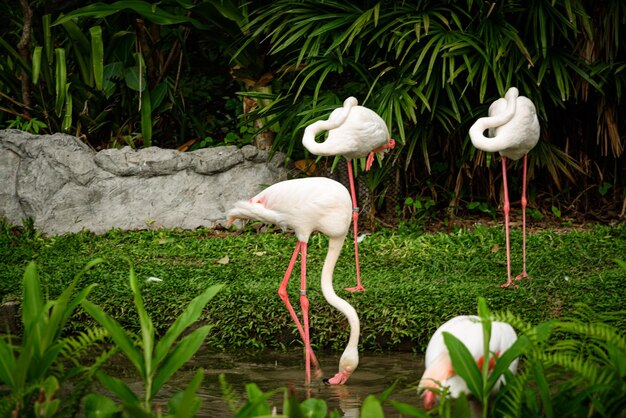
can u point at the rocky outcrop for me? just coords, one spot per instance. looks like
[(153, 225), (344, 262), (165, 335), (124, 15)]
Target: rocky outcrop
[(64, 186)]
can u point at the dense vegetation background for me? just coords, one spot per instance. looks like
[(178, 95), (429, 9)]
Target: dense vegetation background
[(182, 74)]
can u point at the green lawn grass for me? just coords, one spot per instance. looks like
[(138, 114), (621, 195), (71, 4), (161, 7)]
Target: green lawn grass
[(414, 281)]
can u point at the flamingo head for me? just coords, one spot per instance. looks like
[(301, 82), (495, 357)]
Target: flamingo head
[(347, 365), (511, 94), (430, 399), (350, 102)]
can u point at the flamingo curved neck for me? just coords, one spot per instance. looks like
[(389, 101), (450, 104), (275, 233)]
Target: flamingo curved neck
[(476, 132), (308, 140), (334, 249), (335, 120)]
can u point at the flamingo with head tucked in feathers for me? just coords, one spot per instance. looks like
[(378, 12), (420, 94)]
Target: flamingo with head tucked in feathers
[(468, 329), (304, 206), (353, 132), (513, 132)]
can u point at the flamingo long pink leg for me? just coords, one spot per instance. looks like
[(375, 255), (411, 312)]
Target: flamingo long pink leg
[(355, 220), (507, 208), (524, 274), (282, 292), (304, 305)]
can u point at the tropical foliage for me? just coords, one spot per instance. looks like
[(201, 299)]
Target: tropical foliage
[(430, 68), (569, 367), (167, 74), (33, 371)]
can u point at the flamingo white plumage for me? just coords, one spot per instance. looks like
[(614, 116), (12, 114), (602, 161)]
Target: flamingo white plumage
[(354, 132), (514, 130), (304, 206), (468, 329)]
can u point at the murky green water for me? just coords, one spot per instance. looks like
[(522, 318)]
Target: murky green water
[(272, 370)]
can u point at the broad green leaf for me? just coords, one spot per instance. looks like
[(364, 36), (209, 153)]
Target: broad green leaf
[(185, 349), (32, 303), (147, 328), (147, 10), (229, 10), (186, 404), (408, 409), (77, 300), (462, 407), (42, 366), (36, 61), (82, 51), (113, 72), (118, 334), (543, 388), (483, 310), (158, 94), (371, 408), (47, 36), (63, 307), (291, 407), (97, 56), (131, 77), (191, 313), (118, 387), (136, 410), (146, 118), (24, 360), (78, 37), (314, 408), (61, 80), (99, 406), (257, 405), (503, 362), (7, 364), (67, 118), (464, 364)]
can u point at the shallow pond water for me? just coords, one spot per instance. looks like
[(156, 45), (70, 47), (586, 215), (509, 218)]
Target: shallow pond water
[(272, 370)]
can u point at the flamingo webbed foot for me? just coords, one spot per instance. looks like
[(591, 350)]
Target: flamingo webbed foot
[(358, 288), (508, 284), (523, 276)]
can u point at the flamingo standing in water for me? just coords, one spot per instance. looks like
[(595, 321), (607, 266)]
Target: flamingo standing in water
[(439, 372), (304, 206), (514, 131), (353, 132)]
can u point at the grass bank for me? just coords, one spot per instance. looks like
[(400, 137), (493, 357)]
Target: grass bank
[(415, 281)]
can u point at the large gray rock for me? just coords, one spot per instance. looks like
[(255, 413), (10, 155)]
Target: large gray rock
[(64, 186)]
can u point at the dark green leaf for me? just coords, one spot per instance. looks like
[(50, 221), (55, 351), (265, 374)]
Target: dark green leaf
[(185, 349), (191, 313), (371, 408), (118, 387), (464, 364)]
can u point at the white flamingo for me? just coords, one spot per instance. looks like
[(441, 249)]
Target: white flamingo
[(353, 132), (304, 206), (514, 131), (439, 372)]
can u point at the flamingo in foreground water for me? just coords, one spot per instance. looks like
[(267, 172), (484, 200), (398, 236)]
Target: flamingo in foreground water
[(469, 330), (353, 132), (304, 206), (514, 131)]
